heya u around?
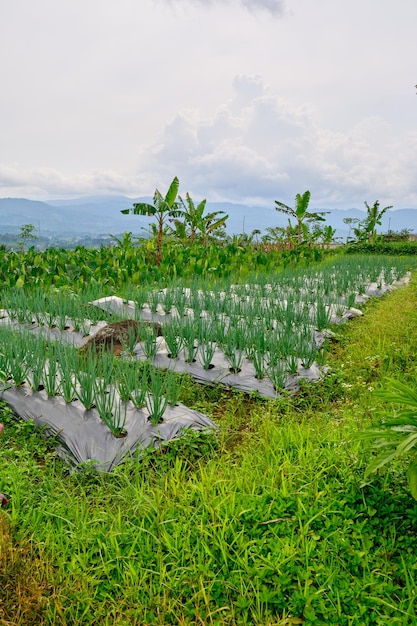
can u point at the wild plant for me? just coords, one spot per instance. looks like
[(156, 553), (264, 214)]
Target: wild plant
[(156, 401), (395, 437)]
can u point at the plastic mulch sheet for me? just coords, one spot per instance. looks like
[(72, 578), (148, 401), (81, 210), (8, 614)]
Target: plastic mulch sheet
[(83, 436)]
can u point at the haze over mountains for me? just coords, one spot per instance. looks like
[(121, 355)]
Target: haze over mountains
[(100, 215)]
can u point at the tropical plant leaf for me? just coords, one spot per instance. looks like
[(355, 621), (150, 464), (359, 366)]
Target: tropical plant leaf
[(172, 192), (380, 460), (412, 477)]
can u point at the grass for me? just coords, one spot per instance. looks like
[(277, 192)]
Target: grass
[(271, 523)]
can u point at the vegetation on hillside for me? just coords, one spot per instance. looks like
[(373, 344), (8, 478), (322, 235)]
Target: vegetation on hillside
[(272, 520)]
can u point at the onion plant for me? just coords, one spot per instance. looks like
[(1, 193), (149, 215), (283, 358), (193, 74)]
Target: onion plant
[(190, 346), (112, 413), (132, 382), (234, 358), (206, 352), (322, 315), (180, 299), (68, 365), (50, 380), (291, 361), (173, 384), (126, 379), (173, 339), (149, 344), (37, 364), (153, 300), (278, 375), (85, 381), (167, 301), (156, 401), (259, 363), (17, 368)]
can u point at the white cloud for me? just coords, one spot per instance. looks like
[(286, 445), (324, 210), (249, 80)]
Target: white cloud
[(43, 183), (256, 147), (276, 7)]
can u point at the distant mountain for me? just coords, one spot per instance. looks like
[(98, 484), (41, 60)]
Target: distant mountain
[(100, 215)]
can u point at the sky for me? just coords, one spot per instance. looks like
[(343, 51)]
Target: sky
[(244, 100)]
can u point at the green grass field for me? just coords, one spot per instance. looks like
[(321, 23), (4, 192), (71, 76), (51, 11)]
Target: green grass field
[(268, 523)]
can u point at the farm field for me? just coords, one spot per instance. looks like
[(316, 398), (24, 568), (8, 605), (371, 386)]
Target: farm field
[(265, 520)]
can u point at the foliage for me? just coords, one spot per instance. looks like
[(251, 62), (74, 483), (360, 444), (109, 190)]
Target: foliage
[(26, 235), (191, 223), (392, 235), (163, 208), (395, 436), (365, 230), (269, 524), (393, 248), (301, 214)]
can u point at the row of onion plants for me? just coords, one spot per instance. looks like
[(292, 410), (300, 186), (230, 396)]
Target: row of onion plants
[(97, 380), (271, 322)]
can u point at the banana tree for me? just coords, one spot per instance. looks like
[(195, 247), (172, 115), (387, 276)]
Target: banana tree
[(373, 218), (192, 219), (163, 208), (300, 212)]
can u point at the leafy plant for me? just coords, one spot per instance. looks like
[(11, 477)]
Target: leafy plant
[(156, 401), (366, 229), (300, 213), (149, 344), (191, 222), (112, 413), (206, 353), (173, 384), (395, 437), (139, 388), (173, 341), (163, 208)]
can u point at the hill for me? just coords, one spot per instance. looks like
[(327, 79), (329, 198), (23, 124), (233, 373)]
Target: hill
[(100, 215)]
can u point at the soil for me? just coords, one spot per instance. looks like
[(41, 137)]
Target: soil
[(115, 336)]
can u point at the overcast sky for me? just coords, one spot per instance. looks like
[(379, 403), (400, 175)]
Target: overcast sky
[(243, 100)]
